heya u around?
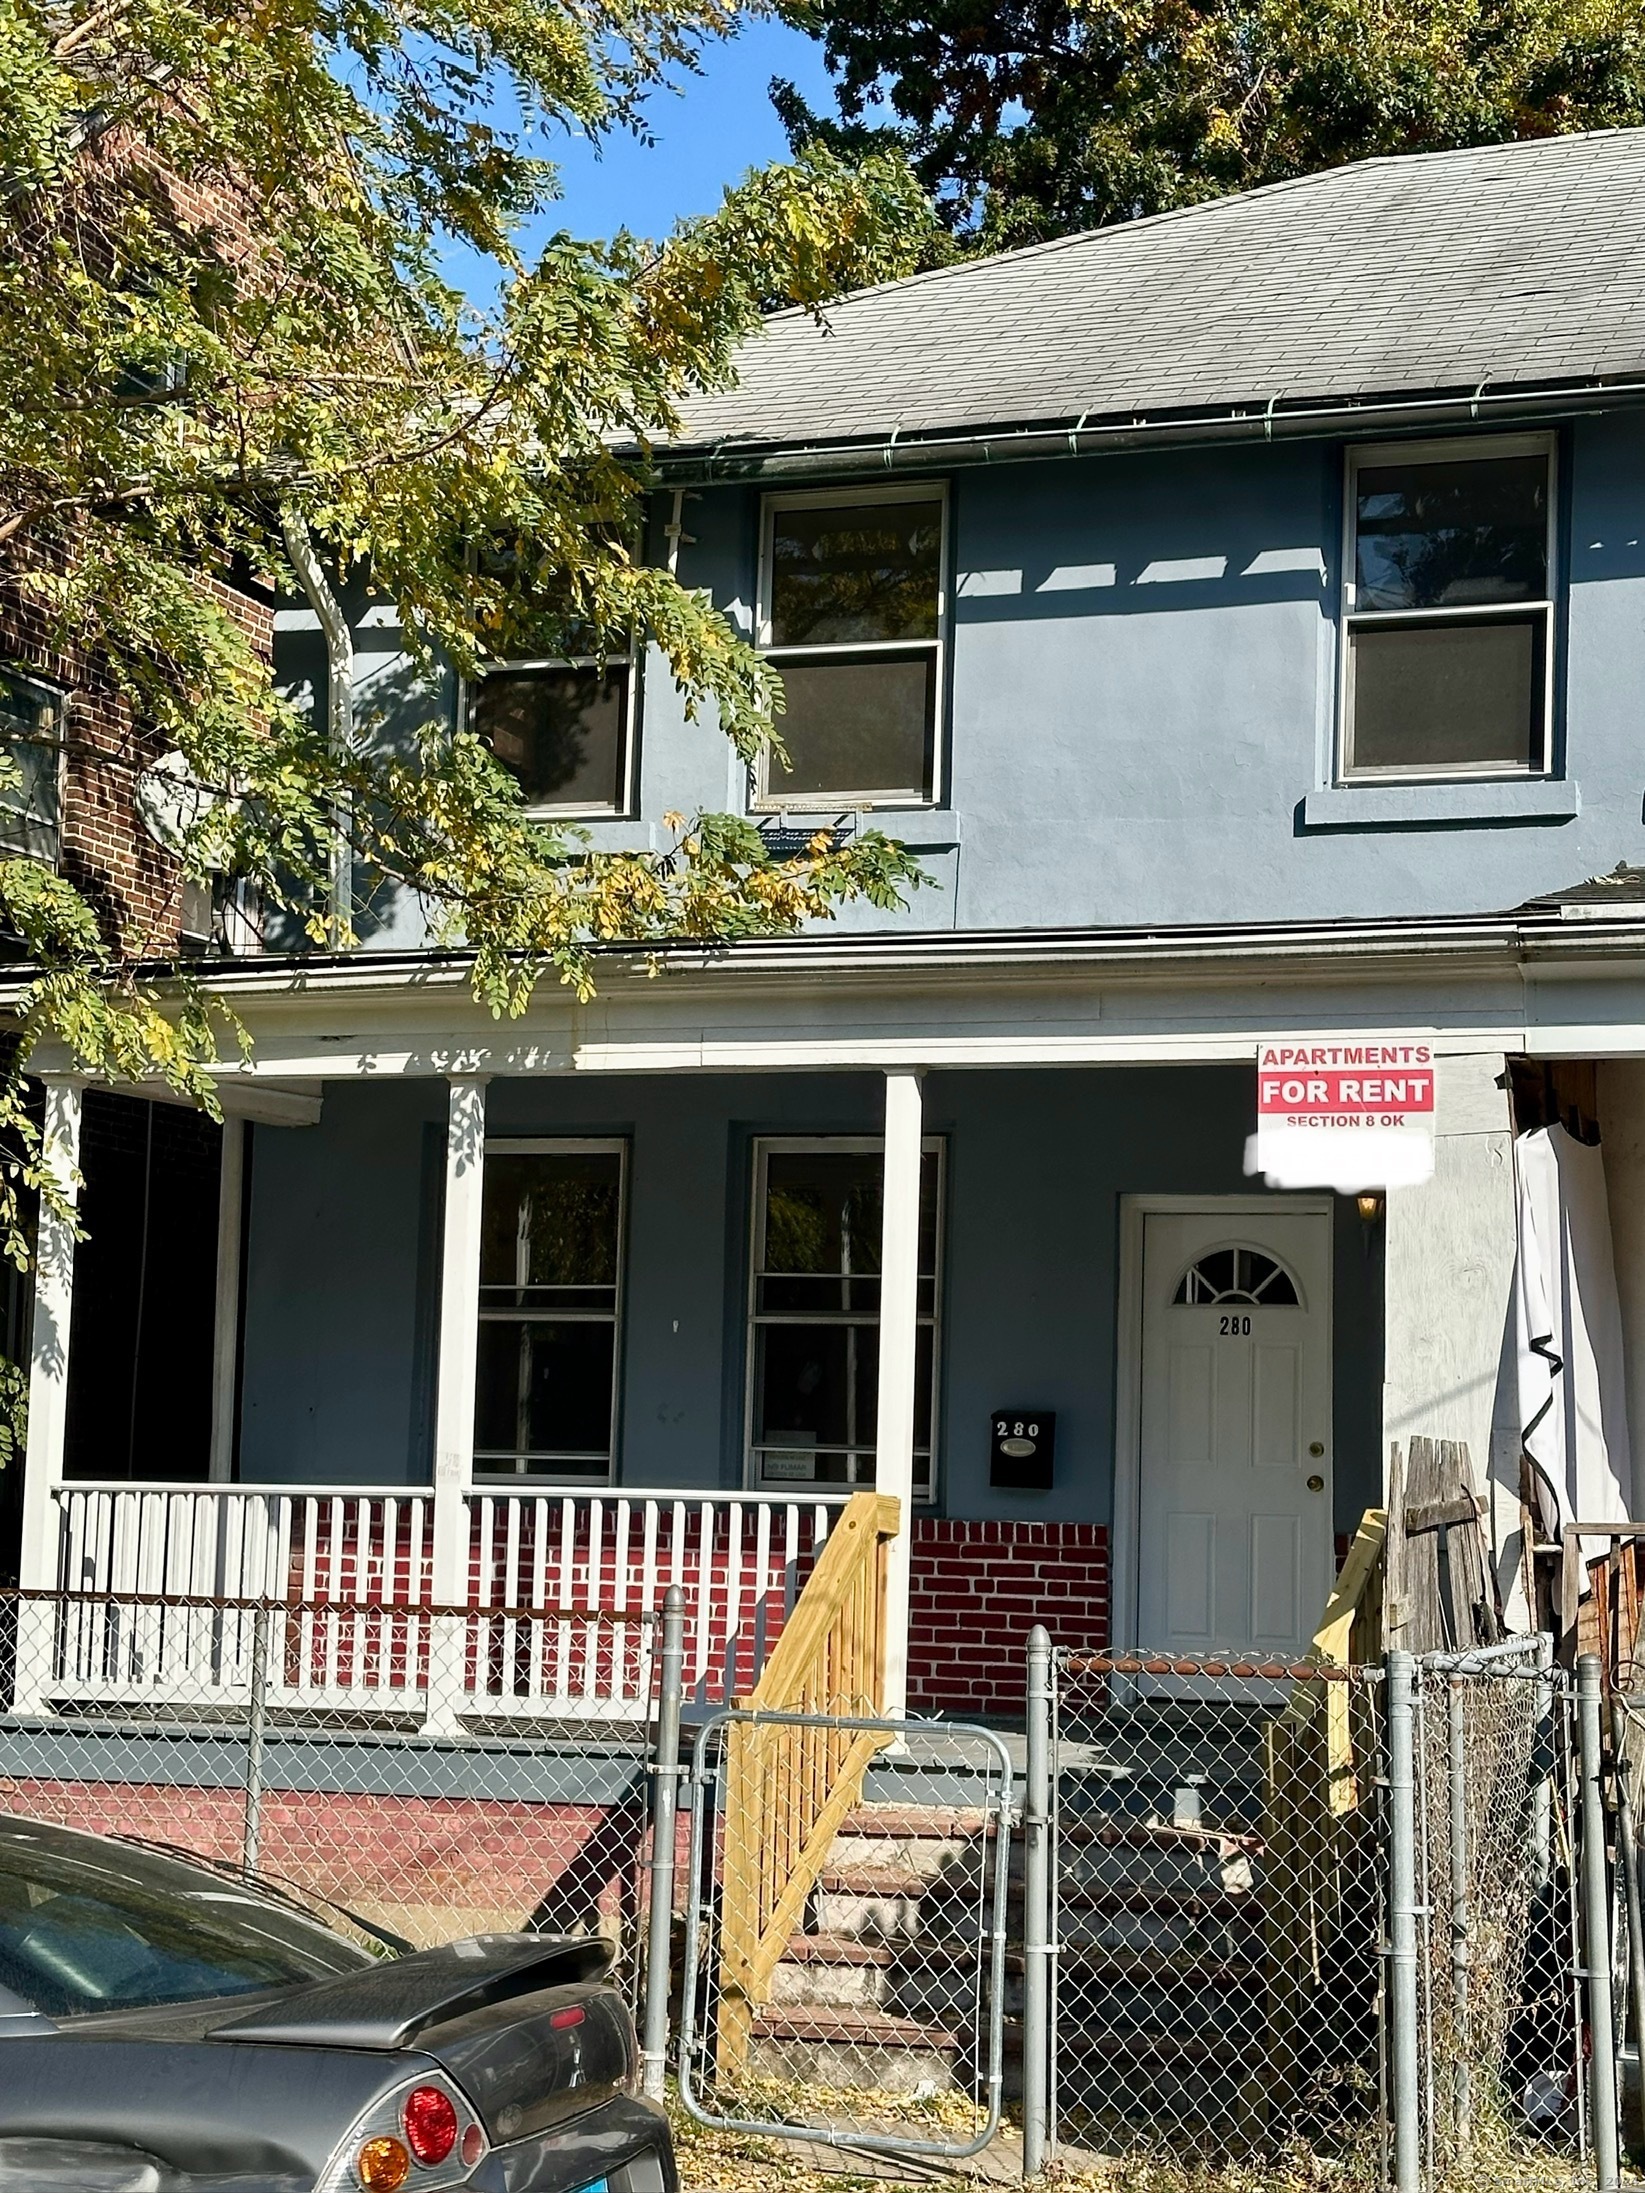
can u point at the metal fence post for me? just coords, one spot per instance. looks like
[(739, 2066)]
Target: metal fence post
[(1596, 1928), (257, 1722), (665, 1800), (1456, 1749), (1627, 1865), (1036, 1931), (1402, 1923)]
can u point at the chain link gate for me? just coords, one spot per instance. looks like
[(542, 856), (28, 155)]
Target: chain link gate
[(846, 1972)]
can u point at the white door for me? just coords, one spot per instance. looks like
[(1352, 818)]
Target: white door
[(1235, 1449)]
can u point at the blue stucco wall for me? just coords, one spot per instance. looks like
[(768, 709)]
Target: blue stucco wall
[(1141, 703), (342, 1270)]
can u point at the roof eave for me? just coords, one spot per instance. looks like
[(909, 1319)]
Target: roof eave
[(706, 459)]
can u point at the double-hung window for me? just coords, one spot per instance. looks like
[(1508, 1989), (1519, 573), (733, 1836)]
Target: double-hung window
[(565, 729), (852, 611), (814, 1312), (31, 720), (1448, 610), (551, 1257)]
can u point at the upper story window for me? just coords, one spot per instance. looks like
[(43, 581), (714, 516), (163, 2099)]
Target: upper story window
[(814, 1311), (1449, 609), (31, 725), (551, 1236), (565, 729), (852, 611)]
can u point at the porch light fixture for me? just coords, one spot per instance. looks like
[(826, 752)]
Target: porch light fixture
[(1369, 1201)]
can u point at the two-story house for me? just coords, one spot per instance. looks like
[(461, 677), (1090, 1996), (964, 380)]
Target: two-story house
[(1242, 613)]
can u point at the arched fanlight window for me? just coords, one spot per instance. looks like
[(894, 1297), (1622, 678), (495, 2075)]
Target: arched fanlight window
[(1238, 1275)]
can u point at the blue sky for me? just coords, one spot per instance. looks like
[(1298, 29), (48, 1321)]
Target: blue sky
[(708, 131)]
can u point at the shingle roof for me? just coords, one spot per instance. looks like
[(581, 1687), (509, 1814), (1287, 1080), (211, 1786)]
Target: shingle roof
[(1501, 265)]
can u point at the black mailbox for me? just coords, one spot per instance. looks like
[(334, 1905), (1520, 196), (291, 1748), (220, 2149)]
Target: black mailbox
[(1022, 1449)]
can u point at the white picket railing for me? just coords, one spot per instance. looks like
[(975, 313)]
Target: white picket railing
[(563, 1586)]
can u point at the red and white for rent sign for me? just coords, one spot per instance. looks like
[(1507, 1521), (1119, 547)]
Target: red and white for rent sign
[(1344, 1115), (1346, 1084)]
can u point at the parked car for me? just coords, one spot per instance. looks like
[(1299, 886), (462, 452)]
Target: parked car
[(165, 2028)]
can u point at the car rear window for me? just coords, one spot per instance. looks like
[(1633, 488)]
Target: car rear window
[(95, 1928)]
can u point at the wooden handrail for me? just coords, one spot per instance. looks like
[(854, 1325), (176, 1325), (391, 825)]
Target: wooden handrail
[(790, 1789)]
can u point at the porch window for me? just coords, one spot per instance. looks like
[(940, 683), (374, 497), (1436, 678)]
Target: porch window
[(851, 613), (31, 720), (1448, 612), (564, 729), (815, 1311), (551, 1232)]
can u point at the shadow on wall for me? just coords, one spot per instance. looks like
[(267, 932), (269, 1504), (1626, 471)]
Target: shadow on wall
[(1201, 530)]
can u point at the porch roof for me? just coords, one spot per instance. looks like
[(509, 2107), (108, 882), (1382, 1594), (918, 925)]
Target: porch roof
[(1539, 980)]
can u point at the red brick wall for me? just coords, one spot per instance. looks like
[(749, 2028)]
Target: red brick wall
[(431, 1868), (105, 849), (979, 1588)]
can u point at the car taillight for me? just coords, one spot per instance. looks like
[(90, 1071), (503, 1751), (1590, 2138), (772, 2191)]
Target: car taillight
[(430, 2119), (383, 2165)]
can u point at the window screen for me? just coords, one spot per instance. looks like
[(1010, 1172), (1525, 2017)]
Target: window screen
[(550, 1277), (562, 730), (816, 1310), (1449, 614), (853, 623)]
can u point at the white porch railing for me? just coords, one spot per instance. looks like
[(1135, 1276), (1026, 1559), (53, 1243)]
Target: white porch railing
[(562, 1587)]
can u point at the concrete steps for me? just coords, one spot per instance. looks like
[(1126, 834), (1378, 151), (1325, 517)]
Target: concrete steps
[(880, 1988), (1160, 1916)]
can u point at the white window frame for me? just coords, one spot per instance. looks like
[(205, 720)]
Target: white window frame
[(486, 1472), (1454, 450), (573, 810), (764, 799), (57, 698), (764, 1148)]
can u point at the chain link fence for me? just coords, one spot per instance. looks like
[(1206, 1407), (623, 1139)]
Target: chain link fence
[(1354, 1921), (428, 1774), (1503, 2029), (850, 1985), (1217, 1909), (1370, 1926)]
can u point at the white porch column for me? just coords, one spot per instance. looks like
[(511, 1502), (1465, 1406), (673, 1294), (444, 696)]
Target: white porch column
[(454, 1392), (899, 1333), (48, 1386)]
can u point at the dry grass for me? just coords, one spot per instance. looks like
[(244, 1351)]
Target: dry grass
[(726, 2162)]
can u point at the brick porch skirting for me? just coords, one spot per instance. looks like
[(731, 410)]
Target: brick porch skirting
[(979, 1588)]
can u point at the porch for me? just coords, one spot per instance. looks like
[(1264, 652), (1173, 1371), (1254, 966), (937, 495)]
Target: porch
[(352, 1304), (1008, 1151)]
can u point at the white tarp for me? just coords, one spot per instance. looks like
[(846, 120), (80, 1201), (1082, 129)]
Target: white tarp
[(1568, 1335)]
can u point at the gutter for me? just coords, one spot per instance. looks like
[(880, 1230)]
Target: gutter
[(729, 459)]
